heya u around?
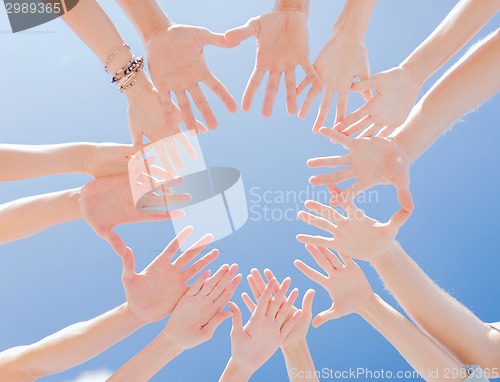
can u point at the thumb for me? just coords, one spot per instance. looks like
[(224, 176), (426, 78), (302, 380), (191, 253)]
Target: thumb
[(116, 242), (243, 32), (128, 262), (237, 318), (325, 316), (307, 301), (398, 219), (219, 40), (405, 198), (215, 322), (365, 85)]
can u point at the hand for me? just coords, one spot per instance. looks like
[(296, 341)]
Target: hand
[(372, 161), (177, 64), (396, 92), (108, 159), (107, 202), (299, 331), (346, 283), (153, 293), (267, 328), (373, 239), (282, 44), (199, 312), (342, 59), (148, 117)]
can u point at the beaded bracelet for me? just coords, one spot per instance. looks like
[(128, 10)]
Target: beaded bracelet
[(113, 56), (128, 75)]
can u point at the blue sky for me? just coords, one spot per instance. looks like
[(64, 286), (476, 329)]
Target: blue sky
[(54, 90)]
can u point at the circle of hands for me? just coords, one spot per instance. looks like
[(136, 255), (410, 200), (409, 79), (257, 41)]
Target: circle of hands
[(178, 67)]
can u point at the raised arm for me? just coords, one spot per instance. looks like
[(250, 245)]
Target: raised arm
[(343, 58), (398, 88), (351, 293), (151, 296), (193, 321)]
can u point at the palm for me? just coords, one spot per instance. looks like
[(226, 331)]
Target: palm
[(109, 159)]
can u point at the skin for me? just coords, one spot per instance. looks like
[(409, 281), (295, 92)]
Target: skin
[(253, 344), (351, 293), (193, 321), (397, 89), (150, 297), (282, 45), (343, 59)]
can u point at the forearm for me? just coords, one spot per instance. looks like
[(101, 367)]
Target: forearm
[(292, 5), (299, 363), (461, 24), (30, 161), (147, 16), (472, 81), (29, 216), (148, 361), (437, 313), (235, 373), (355, 16), (71, 346), (421, 352)]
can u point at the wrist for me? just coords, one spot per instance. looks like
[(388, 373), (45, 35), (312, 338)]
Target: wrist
[(169, 337), (131, 317), (143, 83), (294, 348), (355, 17), (387, 258), (236, 371), (159, 24), (292, 5), (74, 202), (366, 309), (415, 71), (377, 259)]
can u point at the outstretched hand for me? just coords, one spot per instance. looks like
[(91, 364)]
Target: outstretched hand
[(343, 58), (345, 282), (153, 293), (372, 161), (282, 45), (177, 64)]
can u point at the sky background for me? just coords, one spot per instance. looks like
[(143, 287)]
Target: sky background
[(54, 90)]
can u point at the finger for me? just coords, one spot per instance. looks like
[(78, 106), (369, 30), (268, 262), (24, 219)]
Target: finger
[(136, 135), (186, 110), (252, 283), (318, 241), (348, 261), (347, 195), (291, 94), (198, 284), (359, 126), (341, 111), (223, 282), (215, 322), (336, 137), (174, 153), (306, 106), (273, 84), (302, 86), (307, 301), (202, 104), (352, 118), (228, 293), (193, 251), (186, 143), (398, 220), (365, 84), (371, 131), (324, 109), (172, 247), (321, 259), (363, 76), (309, 272), (326, 211), (265, 298), (404, 195), (116, 242), (150, 200), (237, 319), (331, 257), (243, 32), (164, 157), (333, 177), (325, 316), (214, 279), (287, 306), (312, 74), (259, 281), (318, 222), (252, 86), (333, 161), (200, 264), (385, 131), (279, 298), (128, 262), (221, 91), (248, 302), (219, 40), (288, 325)]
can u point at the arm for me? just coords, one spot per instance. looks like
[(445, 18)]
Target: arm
[(295, 348), (28, 216), (343, 58), (95, 159), (476, 76), (436, 312), (351, 293), (193, 321), (398, 88), (151, 296)]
